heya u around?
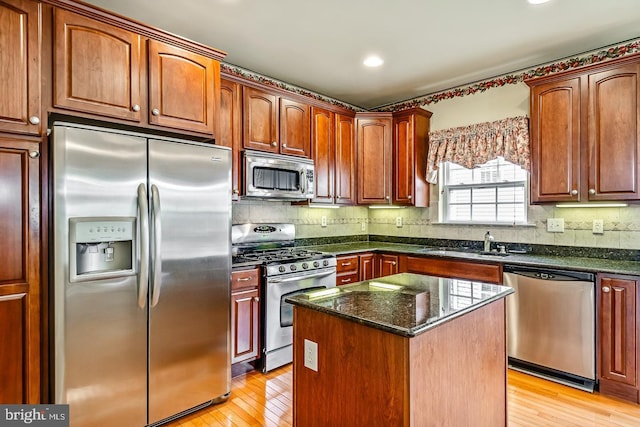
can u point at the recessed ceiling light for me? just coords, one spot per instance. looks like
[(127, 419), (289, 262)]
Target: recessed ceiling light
[(537, 1), (373, 61)]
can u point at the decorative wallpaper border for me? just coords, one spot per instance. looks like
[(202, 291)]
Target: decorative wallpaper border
[(593, 57), (236, 71)]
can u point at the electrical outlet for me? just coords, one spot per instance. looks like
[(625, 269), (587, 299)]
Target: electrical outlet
[(323, 221), (598, 226), (363, 226), (398, 221), (311, 355), (555, 225)]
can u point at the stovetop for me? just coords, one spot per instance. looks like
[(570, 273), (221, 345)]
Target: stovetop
[(276, 256)]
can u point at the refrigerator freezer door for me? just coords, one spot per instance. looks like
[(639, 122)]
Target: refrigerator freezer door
[(100, 348), (189, 362)]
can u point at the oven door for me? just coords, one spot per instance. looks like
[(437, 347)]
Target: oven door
[(279, 314)]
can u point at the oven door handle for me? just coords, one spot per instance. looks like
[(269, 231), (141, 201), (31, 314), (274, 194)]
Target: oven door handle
[(298, 277)]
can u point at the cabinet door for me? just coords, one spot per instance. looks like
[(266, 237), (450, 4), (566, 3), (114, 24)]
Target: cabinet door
[(403, 160), (555, 141), (387, 265), (229, 133), (374, 160), (19, 272), (260, 120), (245, 306), (322, 144), (367, 266), (20, 58), (294, 128), (345, 161), (617, 330), (96, 67), (614, 134), (182, 87)]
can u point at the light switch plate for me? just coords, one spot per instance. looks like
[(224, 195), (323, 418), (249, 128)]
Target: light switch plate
[(323, 221), (598, 226), (311, 355), (555, 225), (398, 221)]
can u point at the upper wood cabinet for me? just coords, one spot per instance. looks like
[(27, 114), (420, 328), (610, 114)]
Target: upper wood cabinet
[(20, 272), (617, 324), (585, 135), (333, 153), (20, 52), (410, 147), (99, 69), (275, 124), (229, 132), (374, 154), (182, 87)]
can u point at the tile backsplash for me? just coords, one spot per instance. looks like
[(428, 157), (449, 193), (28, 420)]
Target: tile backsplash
[(621, 225)]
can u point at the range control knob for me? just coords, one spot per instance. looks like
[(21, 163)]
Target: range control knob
[(293, 267), (325, 263), (305, 265), (316, 264), (281, 269)]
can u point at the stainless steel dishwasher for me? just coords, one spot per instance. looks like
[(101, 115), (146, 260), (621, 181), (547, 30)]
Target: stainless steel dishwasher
[(551, 324)]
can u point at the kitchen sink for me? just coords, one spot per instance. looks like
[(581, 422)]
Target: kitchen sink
[(463, 250)]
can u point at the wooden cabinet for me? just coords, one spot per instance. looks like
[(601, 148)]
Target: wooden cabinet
[(491, 273), (333, 153), (20, 271), (410, 147), (374, 158), (20, 52), (182, 88), (229, 129), (617, 325), (387, 264), (99, 69), (275, 124), (245, 315), (585, 135), (367, 266), (347, 269)]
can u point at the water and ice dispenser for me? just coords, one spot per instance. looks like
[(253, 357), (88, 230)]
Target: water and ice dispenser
[(101, 247)]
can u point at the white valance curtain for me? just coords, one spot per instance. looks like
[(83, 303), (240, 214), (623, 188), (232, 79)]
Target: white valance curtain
[(475, 145)]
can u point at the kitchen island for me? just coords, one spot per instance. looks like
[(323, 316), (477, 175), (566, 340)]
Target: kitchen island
[(403, 350)]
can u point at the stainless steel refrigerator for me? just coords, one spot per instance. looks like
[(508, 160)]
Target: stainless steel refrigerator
[(141, 275)]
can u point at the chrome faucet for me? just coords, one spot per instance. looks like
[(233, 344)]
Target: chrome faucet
[(488, 238)]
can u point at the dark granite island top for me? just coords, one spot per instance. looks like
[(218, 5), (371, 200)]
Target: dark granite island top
[(404, 304), (402, 350)]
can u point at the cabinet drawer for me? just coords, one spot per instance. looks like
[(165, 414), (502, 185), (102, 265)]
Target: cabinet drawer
[(491, 273), (347, 278), (347, 264), (245, 279)]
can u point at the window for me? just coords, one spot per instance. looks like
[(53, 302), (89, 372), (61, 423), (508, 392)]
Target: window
[(494, 193)]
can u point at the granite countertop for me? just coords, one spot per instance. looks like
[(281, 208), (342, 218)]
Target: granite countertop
[(404, 304), (592, 265)]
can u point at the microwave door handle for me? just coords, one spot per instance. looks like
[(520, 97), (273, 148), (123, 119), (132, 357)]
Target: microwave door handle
[(303, 183)]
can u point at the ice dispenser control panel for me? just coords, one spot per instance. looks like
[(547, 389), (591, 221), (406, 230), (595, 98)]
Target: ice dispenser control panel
[(101, 247)]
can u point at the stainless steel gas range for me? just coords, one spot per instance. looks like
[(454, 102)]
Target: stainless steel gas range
[(286, 271)]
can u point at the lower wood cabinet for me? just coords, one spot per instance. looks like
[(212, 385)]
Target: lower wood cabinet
[(367, 266), (245, 315), (387, 264), (617, 326), (491, 273), (347, 269)]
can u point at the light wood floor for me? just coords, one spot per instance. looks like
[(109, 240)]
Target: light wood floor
[(265, 400)]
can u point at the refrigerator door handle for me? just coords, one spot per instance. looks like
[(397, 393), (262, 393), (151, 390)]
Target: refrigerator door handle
[(143, 276), (157, 238)]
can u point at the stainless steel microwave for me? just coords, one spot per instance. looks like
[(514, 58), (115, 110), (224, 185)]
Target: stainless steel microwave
[(274, 176)]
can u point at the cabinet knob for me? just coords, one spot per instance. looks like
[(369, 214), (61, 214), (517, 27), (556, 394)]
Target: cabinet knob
[(34, 120), (256, 299), (155, 112), (574, 192), (329, 195), (592, 191), (243, 279), (274, 143), (235, 191), (135, 108), (393, 263), (284, 145), (34, 154), (606, 289), (409, 196), (387, 197)]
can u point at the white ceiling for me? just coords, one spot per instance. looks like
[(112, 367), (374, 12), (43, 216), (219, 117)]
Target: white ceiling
[(427, 45)]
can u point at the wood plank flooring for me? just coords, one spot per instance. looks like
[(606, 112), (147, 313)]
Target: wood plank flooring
[(266, 400)]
